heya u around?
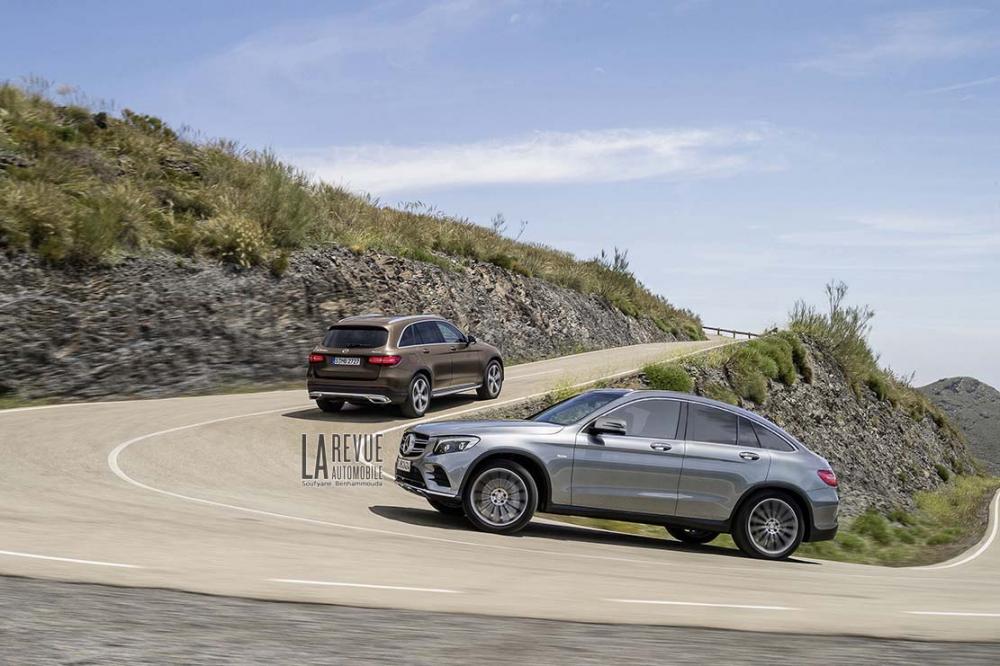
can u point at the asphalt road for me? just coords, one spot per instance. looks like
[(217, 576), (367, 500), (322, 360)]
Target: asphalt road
[(205, 494)]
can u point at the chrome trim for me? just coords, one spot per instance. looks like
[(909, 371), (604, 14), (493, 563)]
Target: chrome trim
[(429, 344), (373, 398), (455, 389), (423, 492)]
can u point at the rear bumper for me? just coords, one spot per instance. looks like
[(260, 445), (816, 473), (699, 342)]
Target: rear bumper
[(826, 534), (376, 395)]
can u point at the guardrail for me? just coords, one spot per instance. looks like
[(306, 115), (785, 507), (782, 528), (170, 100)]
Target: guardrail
[(720, 331)]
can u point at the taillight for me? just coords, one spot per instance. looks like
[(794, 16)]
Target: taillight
[(391, 359), (828, 477), (316, 358)]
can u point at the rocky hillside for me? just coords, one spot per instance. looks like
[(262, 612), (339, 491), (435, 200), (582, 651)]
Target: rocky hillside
[(882, 454), (975, 408), (163, 325)]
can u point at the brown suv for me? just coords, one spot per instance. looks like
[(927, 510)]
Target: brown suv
[(406, 361)]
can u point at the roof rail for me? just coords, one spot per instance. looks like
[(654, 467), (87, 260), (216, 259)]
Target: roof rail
[(367, 315), (416, 316)]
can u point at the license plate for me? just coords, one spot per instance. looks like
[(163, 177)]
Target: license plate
[(402, 465), (346, 360)]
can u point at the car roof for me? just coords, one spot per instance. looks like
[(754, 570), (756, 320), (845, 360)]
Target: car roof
[(378, 319)]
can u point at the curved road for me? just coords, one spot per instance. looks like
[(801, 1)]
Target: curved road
[(204, 494)]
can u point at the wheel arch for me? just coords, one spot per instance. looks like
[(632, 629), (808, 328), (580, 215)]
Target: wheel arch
[(797, 495), (532, 464)]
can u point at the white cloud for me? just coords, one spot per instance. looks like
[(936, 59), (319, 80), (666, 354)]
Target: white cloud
[(297, 52), (904, 39), (910, 236), (965, 85), (544, 157)]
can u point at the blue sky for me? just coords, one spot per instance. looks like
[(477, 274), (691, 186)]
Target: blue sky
[(745, 153)]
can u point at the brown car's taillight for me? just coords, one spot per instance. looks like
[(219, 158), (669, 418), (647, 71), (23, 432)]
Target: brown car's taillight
[(391, 359), (316, 358)]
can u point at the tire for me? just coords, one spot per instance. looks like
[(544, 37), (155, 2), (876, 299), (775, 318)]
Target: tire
[(769, 526), (445, 508), (492, 381), (418, 396), (692, 535), (497, 484), (330, 406)]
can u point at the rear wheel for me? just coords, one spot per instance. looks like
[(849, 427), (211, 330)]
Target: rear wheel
[(328, 405), (692, 535), (445, 508), (769, 526), (492, 381), (418, 397), (501, 497)]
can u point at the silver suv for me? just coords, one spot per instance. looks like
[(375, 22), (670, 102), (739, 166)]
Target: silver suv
[(696, 466)]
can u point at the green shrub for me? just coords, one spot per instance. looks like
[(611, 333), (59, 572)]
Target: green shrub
[(720, 392), (942, 471), (874, 526), (879, 385), (668, 377)]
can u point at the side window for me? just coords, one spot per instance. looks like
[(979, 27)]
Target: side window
[(428, 332), (770, 440), (707, 424), (655, 419), (409, 337), (747, 437), (450, 333)]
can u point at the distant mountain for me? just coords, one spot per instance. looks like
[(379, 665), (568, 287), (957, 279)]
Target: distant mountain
[(975, 408)]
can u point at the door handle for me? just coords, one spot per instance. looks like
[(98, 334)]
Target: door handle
[(749, 455), (426, 351), (660, 446), (452, 348)]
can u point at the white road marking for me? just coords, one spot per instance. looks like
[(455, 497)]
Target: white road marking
[(954, 613), (533, 374), (295, 581), (995, 520), (698, 603), (71, 560)]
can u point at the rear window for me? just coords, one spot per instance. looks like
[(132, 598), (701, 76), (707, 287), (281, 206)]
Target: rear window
[(348, 337), (770, 440), (577, 407)]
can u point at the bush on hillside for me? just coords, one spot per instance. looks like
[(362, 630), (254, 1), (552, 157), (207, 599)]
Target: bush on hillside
[(79, 187)]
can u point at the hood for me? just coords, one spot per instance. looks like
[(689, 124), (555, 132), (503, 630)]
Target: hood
[(480, 428)]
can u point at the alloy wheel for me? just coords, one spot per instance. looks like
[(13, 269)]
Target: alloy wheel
[(499, 497), (493, 379), (420, 394), (773, 526)]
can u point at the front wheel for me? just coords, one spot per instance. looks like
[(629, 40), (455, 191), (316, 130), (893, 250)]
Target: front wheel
[(418, 397), (501, 497), (770, 526), (492, 381), (692, 535)]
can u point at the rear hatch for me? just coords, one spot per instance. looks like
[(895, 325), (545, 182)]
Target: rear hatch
[(346, 350)]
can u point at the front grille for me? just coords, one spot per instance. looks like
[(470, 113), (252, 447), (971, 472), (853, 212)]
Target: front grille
[(419, 443), (440, 477), (413, 477)]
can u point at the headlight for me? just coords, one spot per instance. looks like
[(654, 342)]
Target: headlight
[(453, 444)]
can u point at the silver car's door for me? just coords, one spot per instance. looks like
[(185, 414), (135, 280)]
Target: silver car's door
[(719, 464), (637, 472)]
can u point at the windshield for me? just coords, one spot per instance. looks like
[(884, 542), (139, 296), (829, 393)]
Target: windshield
[(576, 408), (349, 337)]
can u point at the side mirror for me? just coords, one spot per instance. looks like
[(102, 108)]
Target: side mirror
[(608, 427), (470, 339)]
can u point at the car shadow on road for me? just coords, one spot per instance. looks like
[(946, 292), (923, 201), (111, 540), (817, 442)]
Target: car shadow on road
[(379, 413), (434, 519)]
